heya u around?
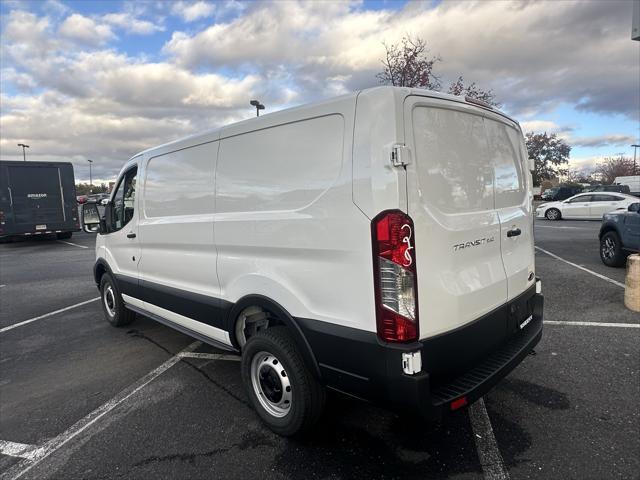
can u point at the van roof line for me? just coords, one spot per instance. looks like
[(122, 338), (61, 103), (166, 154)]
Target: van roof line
[(260, 119)]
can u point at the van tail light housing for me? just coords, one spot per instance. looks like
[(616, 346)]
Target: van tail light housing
[(395, 279)]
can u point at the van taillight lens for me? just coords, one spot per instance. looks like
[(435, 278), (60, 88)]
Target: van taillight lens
[(394, 271)]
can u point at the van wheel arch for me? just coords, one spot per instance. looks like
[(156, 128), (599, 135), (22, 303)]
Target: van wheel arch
[(99, 269), (278, 315)]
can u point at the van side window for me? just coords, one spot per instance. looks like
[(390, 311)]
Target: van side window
[(124, 201)]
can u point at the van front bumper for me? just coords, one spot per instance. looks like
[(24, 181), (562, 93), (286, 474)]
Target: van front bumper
[(457, 368)]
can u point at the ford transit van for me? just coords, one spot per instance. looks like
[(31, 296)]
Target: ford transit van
[(379, 244)]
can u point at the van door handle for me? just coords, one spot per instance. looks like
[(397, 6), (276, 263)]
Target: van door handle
[(514, 233), (131, 235)]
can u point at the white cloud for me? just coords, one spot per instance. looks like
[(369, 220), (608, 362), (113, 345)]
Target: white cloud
[(79, 97), (131, 24), (191, 11), (85, 30), (616, 140), (540, 126), (535, 55), (22, 81)]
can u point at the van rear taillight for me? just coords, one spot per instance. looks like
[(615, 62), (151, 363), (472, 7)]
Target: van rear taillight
[(394, 271)]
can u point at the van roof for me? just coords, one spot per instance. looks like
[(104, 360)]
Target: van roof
[(268, 117)]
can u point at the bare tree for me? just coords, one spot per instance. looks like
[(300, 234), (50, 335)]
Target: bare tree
[(473, 90), (550, 155), (612, 167), (409, 65)]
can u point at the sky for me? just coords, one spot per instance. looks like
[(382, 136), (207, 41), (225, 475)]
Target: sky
[(103, 80)]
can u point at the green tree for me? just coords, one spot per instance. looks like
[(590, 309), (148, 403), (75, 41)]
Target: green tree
[(550, 154), (87, 189)]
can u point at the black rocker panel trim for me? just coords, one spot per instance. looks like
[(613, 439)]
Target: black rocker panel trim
[(208, 310), (183, 329), (213, 311)]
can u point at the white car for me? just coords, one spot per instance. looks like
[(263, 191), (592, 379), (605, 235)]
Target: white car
[(591, 206)]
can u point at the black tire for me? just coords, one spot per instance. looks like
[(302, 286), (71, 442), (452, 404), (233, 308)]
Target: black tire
[(112, 305), (611, 252), (553, 214), (64, 235), (307, 394)]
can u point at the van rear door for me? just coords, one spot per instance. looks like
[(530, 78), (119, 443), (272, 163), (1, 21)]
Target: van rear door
[(467, 191), (512, 201), (450, 193)]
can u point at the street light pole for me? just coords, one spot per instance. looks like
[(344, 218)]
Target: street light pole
[(90, 176), (258, 106), (635, 149), (24, 156)]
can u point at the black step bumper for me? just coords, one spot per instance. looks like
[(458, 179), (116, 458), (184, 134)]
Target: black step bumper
[(458, 367)]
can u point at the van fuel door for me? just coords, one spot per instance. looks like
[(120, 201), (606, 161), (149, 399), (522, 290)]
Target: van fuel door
[(400, 155)]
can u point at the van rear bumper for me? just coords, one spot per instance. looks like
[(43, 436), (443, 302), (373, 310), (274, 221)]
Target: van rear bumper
[(465, 363), (435, 396)]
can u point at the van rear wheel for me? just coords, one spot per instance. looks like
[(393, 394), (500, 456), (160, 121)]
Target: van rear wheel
[(64, 235), (112, 305), (282, 390)]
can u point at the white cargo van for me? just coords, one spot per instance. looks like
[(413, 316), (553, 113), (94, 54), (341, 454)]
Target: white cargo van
[(379, 244)]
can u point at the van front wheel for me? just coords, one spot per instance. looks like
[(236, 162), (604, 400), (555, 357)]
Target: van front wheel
[(284, 393), (112, 305)]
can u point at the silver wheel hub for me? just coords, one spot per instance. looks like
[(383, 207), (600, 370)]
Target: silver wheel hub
[(109, 300), (271, 384), (608, 248)]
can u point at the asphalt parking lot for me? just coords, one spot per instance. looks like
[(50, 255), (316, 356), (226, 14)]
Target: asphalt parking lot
[(80, 399)]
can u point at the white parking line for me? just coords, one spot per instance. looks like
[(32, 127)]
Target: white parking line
[(486, 445), (46, 315), (19, 450), (71, 243), (595, 274), (83, 424), (593, 324)]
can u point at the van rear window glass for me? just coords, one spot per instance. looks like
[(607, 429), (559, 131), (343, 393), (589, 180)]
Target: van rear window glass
[(506, 155), (181, 183), (454, 172)]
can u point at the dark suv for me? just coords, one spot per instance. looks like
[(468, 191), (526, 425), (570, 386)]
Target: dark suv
[(556, 194), (620, 235), (610, 188)]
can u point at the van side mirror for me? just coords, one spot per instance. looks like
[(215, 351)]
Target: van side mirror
[(634, 207), (90, 218)]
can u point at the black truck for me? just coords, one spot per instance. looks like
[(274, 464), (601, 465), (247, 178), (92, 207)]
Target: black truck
[(37, 198)]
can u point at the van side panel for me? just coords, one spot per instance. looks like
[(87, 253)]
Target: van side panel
[(286, 226), (176, 227)]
